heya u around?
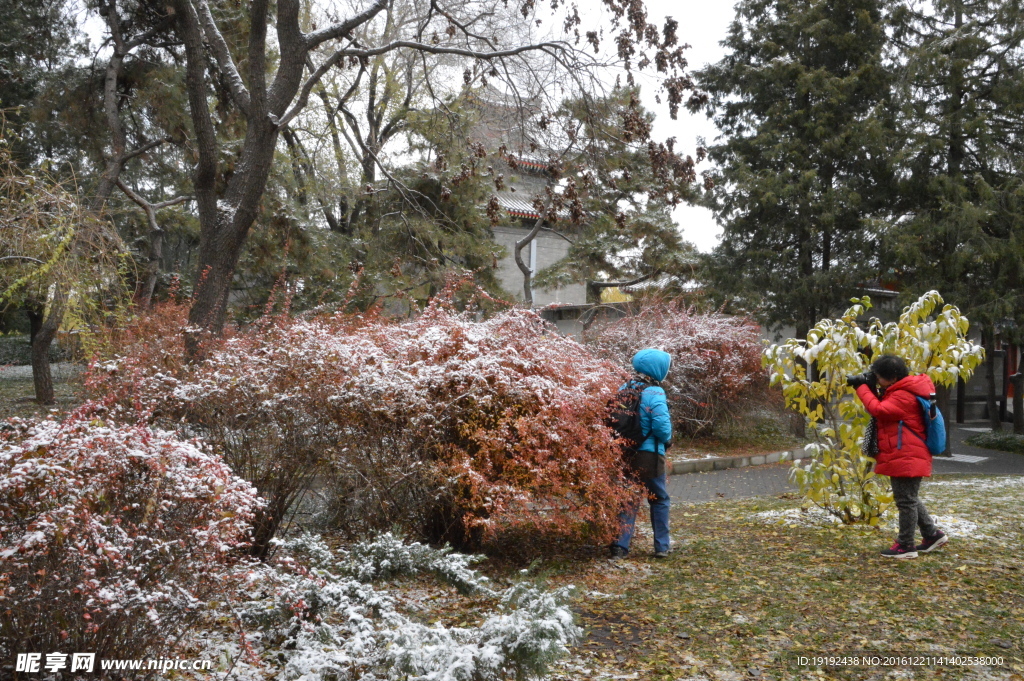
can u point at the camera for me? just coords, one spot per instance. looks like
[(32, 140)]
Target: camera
[(867, 378)]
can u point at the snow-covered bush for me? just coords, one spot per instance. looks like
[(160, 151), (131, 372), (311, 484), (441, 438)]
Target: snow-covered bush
[(471, 432), (503, 418), (111, 537), (318, 609), (716, 360), (388, 556)]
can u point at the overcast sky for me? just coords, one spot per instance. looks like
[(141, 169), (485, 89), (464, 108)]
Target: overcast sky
[(702, 24)]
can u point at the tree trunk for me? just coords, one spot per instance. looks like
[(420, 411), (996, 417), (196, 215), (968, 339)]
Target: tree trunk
[(527, 272), (35, 319), (797, 422), (224, 225), (961, 400), (218, 255), (42, 378), (225, 218), (1005, 390), (156, 247), (991, 405), (1018, 403), (955, 151), (115, 161), (43, 331), (44, 325)]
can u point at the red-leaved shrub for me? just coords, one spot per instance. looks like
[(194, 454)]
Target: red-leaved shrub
[(716, 360), (506, 414), (111, 537), (453, 429)]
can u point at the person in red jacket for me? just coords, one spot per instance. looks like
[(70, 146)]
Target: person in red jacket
[(901, 452)]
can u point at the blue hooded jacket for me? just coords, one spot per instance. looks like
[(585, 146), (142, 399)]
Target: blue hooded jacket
[(654, 417)]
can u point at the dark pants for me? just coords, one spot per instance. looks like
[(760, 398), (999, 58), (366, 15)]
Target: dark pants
[(913, 514)]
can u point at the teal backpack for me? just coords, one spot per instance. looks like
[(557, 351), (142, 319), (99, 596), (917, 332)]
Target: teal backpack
[(934, 426)]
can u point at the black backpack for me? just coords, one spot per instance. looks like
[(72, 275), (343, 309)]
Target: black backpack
[(624, 413)]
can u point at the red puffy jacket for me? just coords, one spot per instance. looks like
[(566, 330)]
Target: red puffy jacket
[(902, 452)]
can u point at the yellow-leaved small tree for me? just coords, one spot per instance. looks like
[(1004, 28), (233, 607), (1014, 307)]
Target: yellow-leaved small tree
[(839, 478)]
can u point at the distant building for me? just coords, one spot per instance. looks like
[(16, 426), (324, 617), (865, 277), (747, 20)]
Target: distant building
[(547, 248), (501, 124)]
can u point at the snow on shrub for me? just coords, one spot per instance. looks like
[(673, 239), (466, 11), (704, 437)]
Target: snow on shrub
[(318, 618), (716, 360), (111, 537), (389, 556), (472, 432), (504, 418), (257, 396)]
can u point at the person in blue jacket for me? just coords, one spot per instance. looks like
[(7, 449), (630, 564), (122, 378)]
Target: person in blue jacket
[(648, 463)]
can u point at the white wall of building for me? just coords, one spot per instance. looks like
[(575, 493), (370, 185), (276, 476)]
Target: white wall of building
[(549, 249)]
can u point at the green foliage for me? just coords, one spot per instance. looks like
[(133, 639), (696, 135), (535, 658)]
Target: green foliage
[(929, 336), (959, 94), (55, 256), (39, 43), (1004, 442), (800, 102), (628, 189)]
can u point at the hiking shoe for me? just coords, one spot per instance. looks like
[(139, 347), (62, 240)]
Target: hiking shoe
[(933, 543), (899, 551), (661, 554), (616, 551)]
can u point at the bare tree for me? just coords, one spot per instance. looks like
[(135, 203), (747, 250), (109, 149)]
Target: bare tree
[(119, 153), (278, 75)]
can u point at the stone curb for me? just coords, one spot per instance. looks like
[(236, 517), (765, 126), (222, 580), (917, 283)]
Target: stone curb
[(724, 462)]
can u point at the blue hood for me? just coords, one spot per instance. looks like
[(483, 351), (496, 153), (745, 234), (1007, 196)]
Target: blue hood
[(654, 363)]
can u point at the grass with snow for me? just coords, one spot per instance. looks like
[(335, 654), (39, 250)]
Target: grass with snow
[(753, 585)]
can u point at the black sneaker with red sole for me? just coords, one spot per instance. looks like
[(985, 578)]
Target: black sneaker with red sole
[(932, 543)]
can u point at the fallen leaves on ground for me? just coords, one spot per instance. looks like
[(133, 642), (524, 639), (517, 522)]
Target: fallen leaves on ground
[(742, 599)]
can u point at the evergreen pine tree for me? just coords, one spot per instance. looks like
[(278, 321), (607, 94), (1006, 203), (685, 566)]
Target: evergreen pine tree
[(801, 166), (961, 100), (627, 188)]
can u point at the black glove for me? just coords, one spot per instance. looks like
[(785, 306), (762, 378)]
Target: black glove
[(867, 378)]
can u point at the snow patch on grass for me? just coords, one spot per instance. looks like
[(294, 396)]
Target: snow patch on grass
[(601, 596), (811, 517), (954, 526), (959, 527), (982, 484), (964, 502)]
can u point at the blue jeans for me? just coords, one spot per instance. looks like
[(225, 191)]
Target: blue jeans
[(658, 498)]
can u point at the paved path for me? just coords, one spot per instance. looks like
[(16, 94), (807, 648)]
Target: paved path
[(732, 483), (771, 480), (965, 457), (61, 371)]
